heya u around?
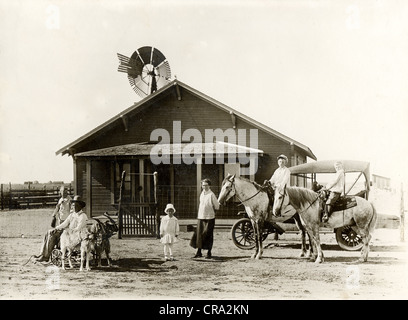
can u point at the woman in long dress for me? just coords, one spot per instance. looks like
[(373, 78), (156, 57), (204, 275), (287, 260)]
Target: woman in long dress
[(203, 237)]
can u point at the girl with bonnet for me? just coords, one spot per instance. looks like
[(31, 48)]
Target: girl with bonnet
[(169, 231)]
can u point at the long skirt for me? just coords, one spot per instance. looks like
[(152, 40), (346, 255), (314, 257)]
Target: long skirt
[(203, 236)]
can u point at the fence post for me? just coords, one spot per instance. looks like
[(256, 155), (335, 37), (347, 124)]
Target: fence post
[(156, 205), (402, 215), (120, 218), (2, 198), (10, 197)]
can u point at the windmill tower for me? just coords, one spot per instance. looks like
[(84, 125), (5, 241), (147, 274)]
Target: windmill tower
[(147, 70)]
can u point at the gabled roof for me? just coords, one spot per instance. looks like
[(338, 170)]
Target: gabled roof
[(197, 93)]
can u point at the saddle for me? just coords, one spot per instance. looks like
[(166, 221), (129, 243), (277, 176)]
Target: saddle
[(343, 203)]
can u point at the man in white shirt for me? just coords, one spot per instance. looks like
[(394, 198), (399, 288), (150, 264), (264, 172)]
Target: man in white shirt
[(281, 176), (75, 221), (336, 188)]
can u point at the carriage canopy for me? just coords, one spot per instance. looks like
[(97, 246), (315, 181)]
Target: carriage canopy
[(327, 166)]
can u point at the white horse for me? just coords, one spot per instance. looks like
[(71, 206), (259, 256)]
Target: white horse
[(255, 201), (306, 202)]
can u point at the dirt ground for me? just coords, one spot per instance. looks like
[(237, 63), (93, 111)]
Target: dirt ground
[(139, 272)]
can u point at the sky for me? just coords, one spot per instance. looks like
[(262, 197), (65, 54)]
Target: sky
[(332, 75)]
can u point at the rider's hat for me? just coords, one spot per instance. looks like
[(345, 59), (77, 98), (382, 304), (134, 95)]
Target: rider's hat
[(169, 206), (79, 200), (282, 156)]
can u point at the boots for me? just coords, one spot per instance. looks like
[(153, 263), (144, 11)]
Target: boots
[(198, 254), (327, 212)]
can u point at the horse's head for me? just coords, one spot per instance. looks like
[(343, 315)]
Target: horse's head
[(281, 200), (227, 189)]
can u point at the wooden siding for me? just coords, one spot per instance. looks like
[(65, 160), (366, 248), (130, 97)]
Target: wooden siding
[(193, 113), (101, 188)]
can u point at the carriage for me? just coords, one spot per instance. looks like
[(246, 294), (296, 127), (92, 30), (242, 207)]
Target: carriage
[(108, 227), (309, 175)]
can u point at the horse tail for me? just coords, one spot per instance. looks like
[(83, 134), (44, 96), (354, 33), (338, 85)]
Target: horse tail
[(373, 221)]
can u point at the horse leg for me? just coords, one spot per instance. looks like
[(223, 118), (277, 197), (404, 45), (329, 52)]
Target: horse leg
[(316, 238), (366, 237), (260, 249), (69, 258), (303, 236), (81, 268), (63, 250), (255, 227), (317, 255), (311, 249)]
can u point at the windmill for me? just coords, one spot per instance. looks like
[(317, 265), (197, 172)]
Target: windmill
[(147, 70)]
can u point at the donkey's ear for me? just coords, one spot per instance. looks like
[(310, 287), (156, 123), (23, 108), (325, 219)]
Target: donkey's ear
[(233, 177)]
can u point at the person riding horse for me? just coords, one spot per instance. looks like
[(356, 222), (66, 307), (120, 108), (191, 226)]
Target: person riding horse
[(336, 188), (280, 178)]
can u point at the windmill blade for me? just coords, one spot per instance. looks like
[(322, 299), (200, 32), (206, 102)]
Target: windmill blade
[(145, 53), (157, 57), (164, 71), (143, 87)]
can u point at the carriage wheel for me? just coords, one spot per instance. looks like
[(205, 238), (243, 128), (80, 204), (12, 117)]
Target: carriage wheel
[(56, 259), (348, 239), (243, 235)]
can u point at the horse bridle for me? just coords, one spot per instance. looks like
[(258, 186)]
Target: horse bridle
[(242, 201)]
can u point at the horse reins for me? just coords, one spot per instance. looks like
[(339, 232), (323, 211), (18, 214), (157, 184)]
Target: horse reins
[(310, 204), (242, 201)]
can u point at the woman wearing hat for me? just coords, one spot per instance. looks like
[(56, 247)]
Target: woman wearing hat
[(75, 221), (169, 231)]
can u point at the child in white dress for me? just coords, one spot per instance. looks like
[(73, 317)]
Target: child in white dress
[(169, 231)]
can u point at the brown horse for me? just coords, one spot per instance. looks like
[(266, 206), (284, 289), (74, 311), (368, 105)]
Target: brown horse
[(306, 202), (255, 201)]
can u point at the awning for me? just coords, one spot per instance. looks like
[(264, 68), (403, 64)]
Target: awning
[(136, 149)]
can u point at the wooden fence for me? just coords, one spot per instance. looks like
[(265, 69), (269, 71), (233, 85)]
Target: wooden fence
[(30, 196)]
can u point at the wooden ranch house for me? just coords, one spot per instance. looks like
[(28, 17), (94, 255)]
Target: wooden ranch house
[(166, 144)]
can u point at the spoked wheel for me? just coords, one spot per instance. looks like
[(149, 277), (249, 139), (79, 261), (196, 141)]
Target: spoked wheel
[(243, 235), (56, 258), (348, 239)]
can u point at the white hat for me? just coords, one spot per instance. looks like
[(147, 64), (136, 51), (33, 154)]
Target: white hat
[(282, 156), (169, 206)]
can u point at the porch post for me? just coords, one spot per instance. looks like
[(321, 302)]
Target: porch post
[(199, 177), (171, 182), (141, 180), (89, 188)]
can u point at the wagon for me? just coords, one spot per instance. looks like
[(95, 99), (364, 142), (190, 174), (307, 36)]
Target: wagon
[(308, 175)]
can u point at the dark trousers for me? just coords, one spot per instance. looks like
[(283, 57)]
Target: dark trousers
[(50, 240)]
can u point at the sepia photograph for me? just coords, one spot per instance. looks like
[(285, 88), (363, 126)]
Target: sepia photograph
[(216, 152)]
